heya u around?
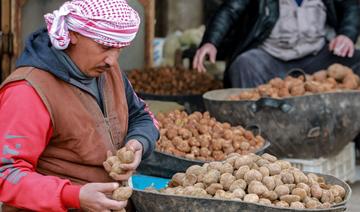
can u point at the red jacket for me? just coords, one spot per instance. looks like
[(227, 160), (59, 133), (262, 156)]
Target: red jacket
[(25, 130)]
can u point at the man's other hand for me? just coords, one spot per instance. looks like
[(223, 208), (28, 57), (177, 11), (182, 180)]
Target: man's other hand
[(130, 168)]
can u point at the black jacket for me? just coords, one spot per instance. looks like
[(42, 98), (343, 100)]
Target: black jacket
[(240, 25)]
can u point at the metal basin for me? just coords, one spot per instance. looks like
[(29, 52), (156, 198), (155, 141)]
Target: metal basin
[(149, 201), (304, 127)]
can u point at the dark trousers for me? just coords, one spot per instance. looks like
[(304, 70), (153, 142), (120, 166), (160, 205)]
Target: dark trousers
[(255, 67)]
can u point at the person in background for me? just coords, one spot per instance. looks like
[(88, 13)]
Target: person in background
[(65, 106), (275, 36)]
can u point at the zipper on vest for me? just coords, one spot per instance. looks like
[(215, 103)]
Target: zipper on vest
[(106, 115)]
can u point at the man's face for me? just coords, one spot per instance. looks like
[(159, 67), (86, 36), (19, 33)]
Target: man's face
[(90, 57)]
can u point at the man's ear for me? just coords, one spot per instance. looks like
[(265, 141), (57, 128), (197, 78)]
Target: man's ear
[(74, 37)]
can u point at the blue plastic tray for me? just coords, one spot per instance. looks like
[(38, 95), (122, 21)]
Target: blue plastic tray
[(144, 181)]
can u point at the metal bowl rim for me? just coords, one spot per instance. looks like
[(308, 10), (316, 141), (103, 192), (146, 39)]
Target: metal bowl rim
[(206, 95), (263, 148)]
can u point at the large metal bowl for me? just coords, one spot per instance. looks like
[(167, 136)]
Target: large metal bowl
[(149, 201), (165, 165), (309, 126)]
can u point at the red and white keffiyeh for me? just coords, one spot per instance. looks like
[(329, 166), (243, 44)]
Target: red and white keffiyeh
[(108, 22)]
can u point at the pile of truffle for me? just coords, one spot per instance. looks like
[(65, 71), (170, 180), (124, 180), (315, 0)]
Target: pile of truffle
[(199, 136), (172, 81), (256, 179), (336, 77)]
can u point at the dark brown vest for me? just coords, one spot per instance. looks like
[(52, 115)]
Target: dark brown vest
[(82, 133)]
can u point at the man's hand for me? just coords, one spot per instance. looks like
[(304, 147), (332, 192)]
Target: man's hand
[(342, 46), (94, 197), (130, 168), (201, 53)]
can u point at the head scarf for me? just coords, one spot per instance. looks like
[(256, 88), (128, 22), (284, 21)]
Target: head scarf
[(111, 23)]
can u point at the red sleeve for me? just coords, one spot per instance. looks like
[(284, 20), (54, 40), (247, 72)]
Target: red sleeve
[(25, 130)]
